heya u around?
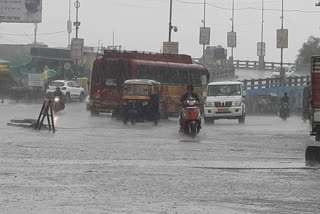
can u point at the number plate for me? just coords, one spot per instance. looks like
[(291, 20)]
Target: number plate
[(223, 110)]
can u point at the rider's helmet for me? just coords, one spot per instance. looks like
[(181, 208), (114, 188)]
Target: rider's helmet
[(285, 94), (58, 88)]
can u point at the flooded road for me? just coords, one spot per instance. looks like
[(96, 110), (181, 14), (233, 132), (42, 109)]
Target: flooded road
[(98, 165)]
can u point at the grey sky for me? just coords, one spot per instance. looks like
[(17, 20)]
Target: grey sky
[(143, 25)]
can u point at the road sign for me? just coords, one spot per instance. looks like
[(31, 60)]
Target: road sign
[(204, 36), (67, 66), (21, 11), (232, 39), (35, 80), (282, 38), (261, 49), (171, 47), (77, 48)]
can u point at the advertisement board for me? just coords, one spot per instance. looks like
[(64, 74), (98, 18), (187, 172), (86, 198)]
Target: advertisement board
[(232, 39), (21, 11), (261, 49), (77, 48), (171, 47), (34, 80), (282, 38), (204, 36)]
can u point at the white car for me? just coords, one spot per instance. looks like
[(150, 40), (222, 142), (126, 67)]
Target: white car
[(225, 100), (70, 89), (288, 71)]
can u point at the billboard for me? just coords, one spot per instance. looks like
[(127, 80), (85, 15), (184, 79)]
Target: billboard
[(171, 47), (21, 11), (204, 36), (77, 48)]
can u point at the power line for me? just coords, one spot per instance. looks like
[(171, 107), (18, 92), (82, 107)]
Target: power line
[(24, 34), (247, 8)]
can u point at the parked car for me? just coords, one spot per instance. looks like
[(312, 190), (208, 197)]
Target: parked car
[(70, 89), (88, 102), (288, 71)]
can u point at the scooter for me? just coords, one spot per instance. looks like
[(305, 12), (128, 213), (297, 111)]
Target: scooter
[(58, 104), (190, 117), (284, 110)]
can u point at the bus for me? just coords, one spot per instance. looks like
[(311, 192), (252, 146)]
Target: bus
[(174, 72)]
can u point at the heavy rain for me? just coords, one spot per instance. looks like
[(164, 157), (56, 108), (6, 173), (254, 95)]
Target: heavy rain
[(94, 126)]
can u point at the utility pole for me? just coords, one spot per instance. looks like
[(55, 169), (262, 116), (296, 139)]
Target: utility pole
[(281, 63), (232, 30), (262, 46), (204, 25), (77, 23), (170, 21), (35, 33), (69, 25)]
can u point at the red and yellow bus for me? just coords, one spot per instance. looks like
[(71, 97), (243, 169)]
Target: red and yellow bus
[(174, 72)]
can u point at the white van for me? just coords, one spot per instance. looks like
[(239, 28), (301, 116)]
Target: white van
[(225, 100)]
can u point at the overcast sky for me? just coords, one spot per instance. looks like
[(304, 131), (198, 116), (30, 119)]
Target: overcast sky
[(143, 25)]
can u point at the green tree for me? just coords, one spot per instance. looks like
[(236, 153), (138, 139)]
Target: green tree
[(308, 49)]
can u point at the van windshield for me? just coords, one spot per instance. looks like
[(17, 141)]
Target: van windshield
[(224, 90)]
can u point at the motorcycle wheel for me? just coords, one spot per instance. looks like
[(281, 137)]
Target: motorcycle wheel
[(132, 119), (193, 131)]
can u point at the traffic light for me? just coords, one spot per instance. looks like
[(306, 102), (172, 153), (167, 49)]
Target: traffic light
[(4, 68)]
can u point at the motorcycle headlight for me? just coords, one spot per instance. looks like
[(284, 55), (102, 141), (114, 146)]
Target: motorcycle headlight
[(56, 99)]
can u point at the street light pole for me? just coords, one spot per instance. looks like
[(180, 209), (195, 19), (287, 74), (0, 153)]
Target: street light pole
[(204, 25), (170, 19), (232, 26), (281, 63), (77, 5)]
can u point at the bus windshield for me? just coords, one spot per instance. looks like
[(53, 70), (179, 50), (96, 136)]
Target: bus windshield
[(141, 90), (224, 90)]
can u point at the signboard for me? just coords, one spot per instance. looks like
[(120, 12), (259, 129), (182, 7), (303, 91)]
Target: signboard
[(261, 49), (4, 68), (171, 47), (77, 48), (35, 80), (282, 38), (204, 36), (21, 11), (232, 39)]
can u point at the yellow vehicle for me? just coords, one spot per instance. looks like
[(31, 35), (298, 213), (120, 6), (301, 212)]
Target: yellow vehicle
[(141, 101)]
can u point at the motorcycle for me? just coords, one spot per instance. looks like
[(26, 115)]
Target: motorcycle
[(284, 110), (58, 104), (190, 117)]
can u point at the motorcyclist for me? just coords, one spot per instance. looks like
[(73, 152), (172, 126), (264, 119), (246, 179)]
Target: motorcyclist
[(58, 93), (189, 93), (285, 98)]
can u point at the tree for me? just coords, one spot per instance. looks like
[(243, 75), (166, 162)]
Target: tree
[(308, 49)]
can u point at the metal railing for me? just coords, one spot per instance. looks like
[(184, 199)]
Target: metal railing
[(276, 82), (247, 64)]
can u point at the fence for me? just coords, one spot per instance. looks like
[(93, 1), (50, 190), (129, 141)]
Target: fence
[(276, 82)]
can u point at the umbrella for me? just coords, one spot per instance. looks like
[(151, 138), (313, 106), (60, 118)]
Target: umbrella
[(48, 74)]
